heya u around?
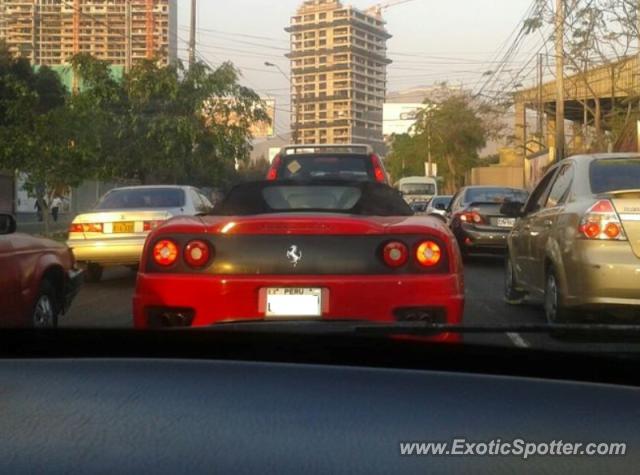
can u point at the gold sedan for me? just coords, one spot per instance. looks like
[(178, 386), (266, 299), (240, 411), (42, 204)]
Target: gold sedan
[(114, 233), (577, 240)]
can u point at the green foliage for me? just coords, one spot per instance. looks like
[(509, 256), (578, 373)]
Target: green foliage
[(456, 131), (157, 125)]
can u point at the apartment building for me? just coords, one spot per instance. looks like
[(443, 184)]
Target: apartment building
[(49, 32), (338, 74)]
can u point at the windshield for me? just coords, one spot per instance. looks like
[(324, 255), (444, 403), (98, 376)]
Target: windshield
[(615, 174), (494, 195), (148, 152), (418, 189), (142, 198), (368, 199)]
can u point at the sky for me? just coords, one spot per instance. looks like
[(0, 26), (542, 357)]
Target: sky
[(433, 40)]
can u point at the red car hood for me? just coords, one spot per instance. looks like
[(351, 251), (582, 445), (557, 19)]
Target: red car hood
[(305, 223)]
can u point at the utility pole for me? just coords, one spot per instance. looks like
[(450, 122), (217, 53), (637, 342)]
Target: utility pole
[(428, 134), (540, 100), (127, 36), (294, 101), (559, 80), (192, 35)]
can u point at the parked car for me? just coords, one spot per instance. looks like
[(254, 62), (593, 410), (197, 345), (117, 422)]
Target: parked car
[(38, 278), (577, 239), (438, 206), (113, 233), (345, 161), (303, 251), (476, 220)]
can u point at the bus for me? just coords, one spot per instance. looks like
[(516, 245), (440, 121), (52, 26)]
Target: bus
[(417, 188)]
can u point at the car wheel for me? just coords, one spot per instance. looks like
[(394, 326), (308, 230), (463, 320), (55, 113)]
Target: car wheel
[(45, 309), (512, 295), (93, 273), (554, 309)]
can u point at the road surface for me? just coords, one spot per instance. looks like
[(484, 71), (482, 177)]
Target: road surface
[(108, 304)]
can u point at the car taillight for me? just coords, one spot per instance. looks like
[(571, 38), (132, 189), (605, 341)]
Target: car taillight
[(151, 225), (429, 254), (85, 228), (378, 171), (601, 222), (197, 253), (272, 174), (395, 254), (165, 252), (471, 217)]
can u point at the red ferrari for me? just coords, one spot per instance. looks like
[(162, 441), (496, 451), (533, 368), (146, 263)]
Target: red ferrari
[(291, 250)]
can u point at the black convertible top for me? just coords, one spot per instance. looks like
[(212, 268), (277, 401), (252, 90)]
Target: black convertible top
[(333, 196)]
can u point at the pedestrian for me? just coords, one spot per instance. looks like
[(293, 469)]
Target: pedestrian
[(55, 208), (38, 208)]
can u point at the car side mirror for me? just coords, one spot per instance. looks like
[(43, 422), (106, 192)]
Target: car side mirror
[(440, 206), (7, 224), (512, 209)]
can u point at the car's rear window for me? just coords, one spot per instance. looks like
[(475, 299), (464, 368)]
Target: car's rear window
[(351, 167), (143, 198), (441, 200), (614, 174), (418, 188), (494, 195)]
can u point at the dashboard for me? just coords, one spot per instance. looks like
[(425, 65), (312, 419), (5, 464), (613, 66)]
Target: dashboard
[(230, 406)]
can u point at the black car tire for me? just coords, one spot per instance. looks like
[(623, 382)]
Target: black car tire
[(46, 307), (512, 294), (93, 273)]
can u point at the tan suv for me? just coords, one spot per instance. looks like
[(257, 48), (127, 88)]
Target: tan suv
[(577, 242)]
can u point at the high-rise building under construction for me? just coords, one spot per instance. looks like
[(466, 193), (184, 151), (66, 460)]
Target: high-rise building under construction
[(121, 32), (338, 73)]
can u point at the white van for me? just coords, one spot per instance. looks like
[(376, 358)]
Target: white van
[(417, 188)]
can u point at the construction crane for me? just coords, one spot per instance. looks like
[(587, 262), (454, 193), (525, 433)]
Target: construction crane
[(378, 8)]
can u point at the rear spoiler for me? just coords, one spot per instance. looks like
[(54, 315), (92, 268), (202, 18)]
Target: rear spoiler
[(485, 203), (619, 193)]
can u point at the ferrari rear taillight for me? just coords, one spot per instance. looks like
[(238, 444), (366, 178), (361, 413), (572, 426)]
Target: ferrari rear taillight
[(378, 171), (395, 254), (197, 253), (151, 225), (85, 228), (165, 252), (602, 222), (472, 217), (272, 174), (428, 254)]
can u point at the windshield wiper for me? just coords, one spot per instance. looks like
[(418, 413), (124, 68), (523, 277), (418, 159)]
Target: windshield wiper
[(350, 326)]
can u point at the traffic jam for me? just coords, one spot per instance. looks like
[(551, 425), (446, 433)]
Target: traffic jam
[(325, 237)]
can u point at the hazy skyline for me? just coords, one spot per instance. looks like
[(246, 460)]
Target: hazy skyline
[(433, 40)]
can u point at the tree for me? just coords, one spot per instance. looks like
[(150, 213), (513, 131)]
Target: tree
[(456, 131), (169, 125), (37, 131)]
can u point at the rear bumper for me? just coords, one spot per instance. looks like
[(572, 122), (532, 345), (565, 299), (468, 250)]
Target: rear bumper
[(108, 252), (73, 283), (471, 239), (602, 274), (218, 298)]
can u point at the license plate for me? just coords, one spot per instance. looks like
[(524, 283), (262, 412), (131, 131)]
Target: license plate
[(125, 227), (506, 222), (294, 302)]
